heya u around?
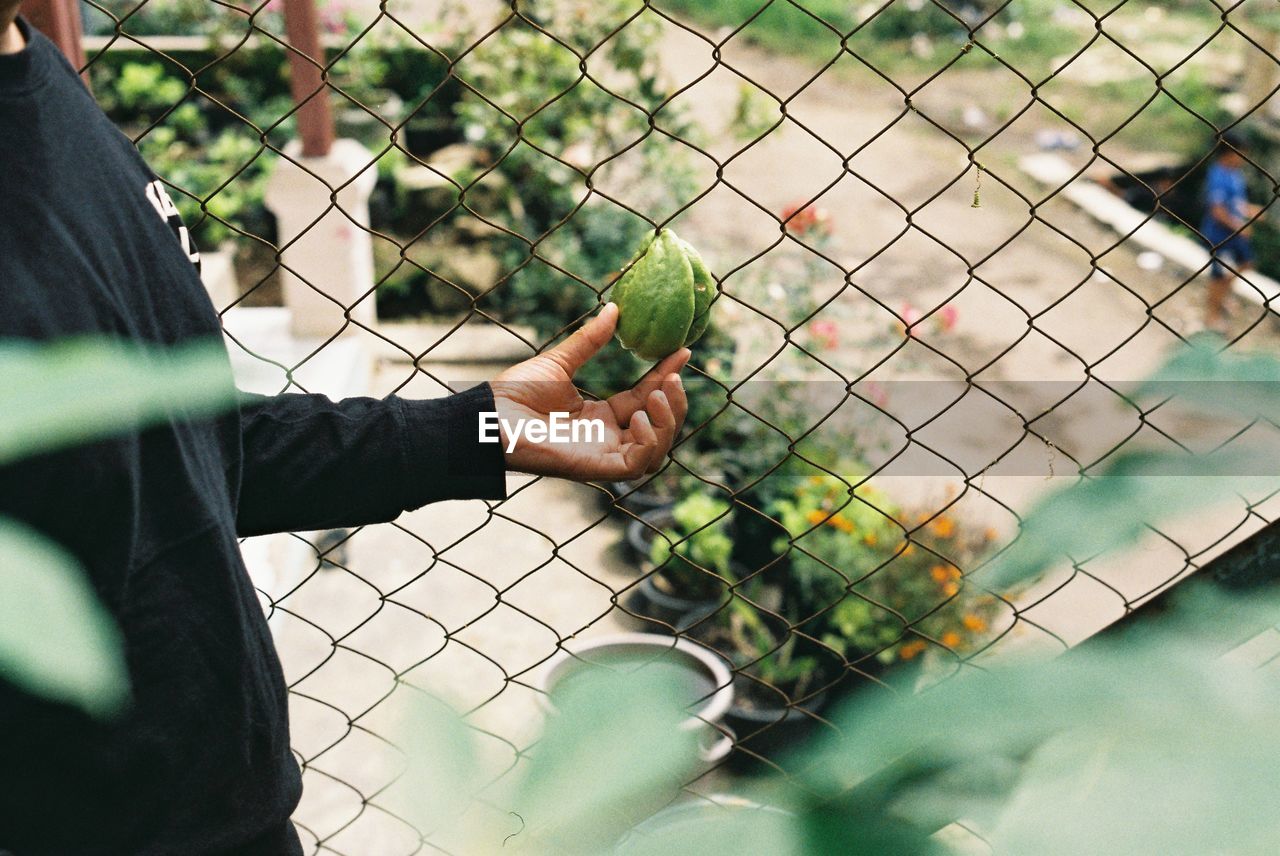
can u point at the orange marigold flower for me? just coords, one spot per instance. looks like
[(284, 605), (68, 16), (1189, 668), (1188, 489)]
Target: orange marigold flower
[(909, 549), (841, 522), (939, 573), (990, 533), (974, 623), (951, 639), (951, 589), (869, 539), (815, 517), (910, 649), (943, 527)]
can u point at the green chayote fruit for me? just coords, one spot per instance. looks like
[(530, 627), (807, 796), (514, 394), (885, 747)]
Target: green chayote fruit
[(664, 299)]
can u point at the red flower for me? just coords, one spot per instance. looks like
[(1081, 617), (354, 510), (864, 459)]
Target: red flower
[(801, 219)]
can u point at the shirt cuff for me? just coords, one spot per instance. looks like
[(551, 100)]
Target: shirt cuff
[(444, 458)]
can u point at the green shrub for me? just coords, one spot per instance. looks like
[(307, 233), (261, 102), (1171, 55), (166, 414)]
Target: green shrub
[(697, 548)]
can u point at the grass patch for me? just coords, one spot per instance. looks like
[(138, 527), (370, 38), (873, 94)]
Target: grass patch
[(903, 35)]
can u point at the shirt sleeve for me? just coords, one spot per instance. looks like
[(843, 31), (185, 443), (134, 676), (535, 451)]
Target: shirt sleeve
[(312, 463)]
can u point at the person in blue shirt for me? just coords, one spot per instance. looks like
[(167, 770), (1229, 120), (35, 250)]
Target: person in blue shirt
[(1227, 225)]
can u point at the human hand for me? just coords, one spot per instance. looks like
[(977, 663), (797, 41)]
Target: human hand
[(636, 426)]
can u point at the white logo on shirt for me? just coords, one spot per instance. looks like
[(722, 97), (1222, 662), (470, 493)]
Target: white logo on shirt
[(159, 199)]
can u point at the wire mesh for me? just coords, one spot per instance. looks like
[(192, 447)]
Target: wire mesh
[(943, 242)]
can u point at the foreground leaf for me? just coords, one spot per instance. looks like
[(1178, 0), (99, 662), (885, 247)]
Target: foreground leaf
[(56, 639), (1143, 747), (442, 777), (75, 391), (613, 754), (1114, 509)]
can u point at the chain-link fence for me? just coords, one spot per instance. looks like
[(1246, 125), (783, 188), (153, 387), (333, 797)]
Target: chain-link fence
[(945, 236)]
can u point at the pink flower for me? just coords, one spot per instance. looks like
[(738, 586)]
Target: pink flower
[(875, 393), (827, 332), (910, 317), (333, 18), (947, 317)]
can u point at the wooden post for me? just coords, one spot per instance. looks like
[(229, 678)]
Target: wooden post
[(60, 21), (315, 120)]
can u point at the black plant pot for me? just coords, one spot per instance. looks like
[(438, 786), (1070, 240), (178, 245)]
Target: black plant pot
[(656, 608), (640, 532), (639, 498), (653, 600), (424, 135), (770, 731), (753, 540)]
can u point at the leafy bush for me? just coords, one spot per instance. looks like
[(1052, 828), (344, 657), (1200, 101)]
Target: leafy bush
[(220, 185), (544, 126), (691, 556), (875, 588), (56, 639), (208, 143)]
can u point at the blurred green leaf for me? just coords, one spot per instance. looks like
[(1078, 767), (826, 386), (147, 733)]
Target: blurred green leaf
[(1113, 510), (1203, 358), (1214, 380), (56, 639), (1143, 747), (614, 753), (701, 827), (443, 775), (80, 390), (1113, 507)]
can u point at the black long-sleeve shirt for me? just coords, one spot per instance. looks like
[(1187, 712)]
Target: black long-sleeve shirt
[(200, 762)]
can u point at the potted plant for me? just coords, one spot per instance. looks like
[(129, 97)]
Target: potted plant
[(883, 586), (859, 592), (689, 548), (780, 674), (704, 680)]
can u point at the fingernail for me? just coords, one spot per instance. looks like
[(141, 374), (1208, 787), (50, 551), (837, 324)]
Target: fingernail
[(675, 378)]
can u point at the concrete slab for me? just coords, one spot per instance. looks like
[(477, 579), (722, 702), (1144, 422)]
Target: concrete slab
[(1104, 206)]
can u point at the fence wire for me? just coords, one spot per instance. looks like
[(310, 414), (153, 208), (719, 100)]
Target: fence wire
[(944, 234)]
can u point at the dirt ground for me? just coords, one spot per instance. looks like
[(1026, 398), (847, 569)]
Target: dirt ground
[(468, 600)]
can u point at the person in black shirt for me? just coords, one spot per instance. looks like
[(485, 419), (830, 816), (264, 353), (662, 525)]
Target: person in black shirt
[(199, 763)]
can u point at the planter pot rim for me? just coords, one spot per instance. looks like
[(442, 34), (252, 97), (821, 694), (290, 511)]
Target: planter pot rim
[(814, 704), (638, 499), (710, 710), (651, 590), (640, 536), (693, 807)]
